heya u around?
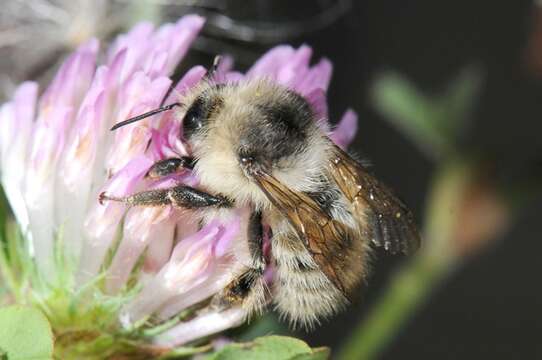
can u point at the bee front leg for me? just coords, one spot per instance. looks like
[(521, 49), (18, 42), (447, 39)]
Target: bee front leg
[(180, 196), (248, 288), (170, 166)]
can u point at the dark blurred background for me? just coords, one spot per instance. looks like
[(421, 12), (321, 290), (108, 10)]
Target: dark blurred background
[(490, 305)]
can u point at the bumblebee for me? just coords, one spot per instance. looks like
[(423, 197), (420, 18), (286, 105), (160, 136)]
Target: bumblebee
[(258, 144)]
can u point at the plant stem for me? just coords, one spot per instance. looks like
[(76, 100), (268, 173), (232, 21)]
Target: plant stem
[(414, 282)]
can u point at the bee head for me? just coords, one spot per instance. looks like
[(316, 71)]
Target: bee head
[(237, 130), (263, 124)]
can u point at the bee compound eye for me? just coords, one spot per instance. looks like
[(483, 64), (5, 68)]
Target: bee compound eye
[(193, 119)]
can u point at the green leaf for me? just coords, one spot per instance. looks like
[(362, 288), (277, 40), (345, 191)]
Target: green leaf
[(25, 334), (270, 348), (263, 326), (321, 353)]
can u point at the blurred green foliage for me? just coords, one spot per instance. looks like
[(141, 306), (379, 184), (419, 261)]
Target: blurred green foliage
[(432, 122)]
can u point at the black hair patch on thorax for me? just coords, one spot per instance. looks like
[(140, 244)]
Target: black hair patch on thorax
[(281, 128), (288, 113)]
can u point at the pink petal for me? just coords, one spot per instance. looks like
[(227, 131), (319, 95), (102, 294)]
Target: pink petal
[(137, 36), (226, 64), (296, 68), (141, 227), (346, 130), (228, 232), (134, 45), (233, 77), (24, 102), (139, 95), (318, 77), (103, 220), (203, 325), (16, 121), (191, 263), (184, 34), (270, 63), (160, 247), (222, 275), (318, 101), (72, 80)]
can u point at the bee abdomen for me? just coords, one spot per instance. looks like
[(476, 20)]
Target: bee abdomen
[(302, 293)]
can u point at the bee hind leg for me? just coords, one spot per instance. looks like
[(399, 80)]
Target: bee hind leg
[(179, 196), (248, 288)]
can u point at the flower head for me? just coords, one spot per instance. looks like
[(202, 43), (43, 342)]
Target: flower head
[(57, 156)]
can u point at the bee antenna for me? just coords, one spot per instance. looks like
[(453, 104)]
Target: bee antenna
[(211, 72), (145, 115)]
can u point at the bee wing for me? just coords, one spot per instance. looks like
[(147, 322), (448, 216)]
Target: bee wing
[(392, 224), (323, 237)]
